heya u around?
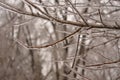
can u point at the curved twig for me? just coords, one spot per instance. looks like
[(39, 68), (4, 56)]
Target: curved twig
[(48, 45)]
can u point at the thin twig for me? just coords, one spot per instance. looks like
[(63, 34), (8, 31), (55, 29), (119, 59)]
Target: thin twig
[(104, 42), (48, 45), (101, 64)]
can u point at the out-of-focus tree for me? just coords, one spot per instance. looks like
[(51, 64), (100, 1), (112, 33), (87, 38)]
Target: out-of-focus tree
[(59, 40)]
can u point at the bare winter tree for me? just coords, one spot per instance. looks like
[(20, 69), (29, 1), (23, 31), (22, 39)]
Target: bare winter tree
[(59, 40)]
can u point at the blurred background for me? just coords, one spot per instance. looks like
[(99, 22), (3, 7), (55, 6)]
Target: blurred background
[(59, 40)]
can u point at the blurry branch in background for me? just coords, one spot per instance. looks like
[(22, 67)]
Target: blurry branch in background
[(77, 72), (78, 13), (10, 22), (103, 43), (29, 43), (101, 17)]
